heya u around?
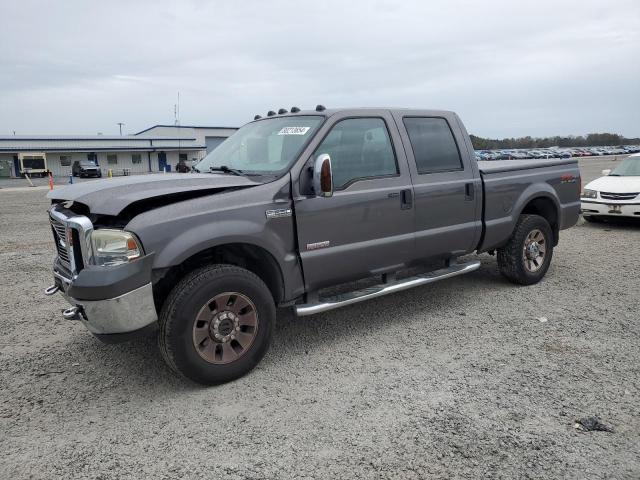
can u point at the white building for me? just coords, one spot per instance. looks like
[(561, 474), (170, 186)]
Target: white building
[(153, 150), (210, 137)]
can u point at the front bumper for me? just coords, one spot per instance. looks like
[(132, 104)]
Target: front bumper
[(110, 300), (127, 313), (612, 208)]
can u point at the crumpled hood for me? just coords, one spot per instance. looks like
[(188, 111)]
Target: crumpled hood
[(111, 196), (615, 184)]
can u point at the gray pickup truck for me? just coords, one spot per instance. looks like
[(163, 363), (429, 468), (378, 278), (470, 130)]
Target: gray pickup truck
[(286, 210)]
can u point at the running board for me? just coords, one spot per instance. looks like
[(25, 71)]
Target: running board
[(343, 299)]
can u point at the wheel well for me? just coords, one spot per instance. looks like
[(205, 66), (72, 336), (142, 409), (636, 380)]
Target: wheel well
[(253, 258), (544, 207)]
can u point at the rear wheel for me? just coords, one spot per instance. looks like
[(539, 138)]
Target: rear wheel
[(216, 324), (527, 255)]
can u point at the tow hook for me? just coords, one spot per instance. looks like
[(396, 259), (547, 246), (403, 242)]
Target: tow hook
[(51, 290), (73, 313)]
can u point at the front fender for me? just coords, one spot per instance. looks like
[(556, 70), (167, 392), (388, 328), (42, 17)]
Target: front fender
[(202, 237), (181, 230)]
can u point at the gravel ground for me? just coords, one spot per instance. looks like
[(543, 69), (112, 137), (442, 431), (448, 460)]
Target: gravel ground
[(471, 377)]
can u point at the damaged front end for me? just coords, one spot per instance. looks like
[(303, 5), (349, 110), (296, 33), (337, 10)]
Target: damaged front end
[(109, 290)]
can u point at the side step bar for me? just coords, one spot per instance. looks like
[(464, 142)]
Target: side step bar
[(341, 300)]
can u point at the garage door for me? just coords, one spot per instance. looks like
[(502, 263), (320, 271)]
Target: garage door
[(5, 167), (213, 142)]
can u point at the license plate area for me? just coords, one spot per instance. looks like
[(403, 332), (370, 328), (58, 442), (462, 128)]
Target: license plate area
[(615, 209)]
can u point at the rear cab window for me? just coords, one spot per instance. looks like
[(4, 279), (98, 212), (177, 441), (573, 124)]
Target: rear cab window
[(434, 146)]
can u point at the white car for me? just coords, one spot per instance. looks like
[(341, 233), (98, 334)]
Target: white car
[(617, 194)]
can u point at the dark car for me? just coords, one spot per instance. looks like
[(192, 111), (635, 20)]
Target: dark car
[(86, 168), (393, 196)]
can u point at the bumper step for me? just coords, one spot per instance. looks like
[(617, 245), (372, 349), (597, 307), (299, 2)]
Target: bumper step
[(356, 296)]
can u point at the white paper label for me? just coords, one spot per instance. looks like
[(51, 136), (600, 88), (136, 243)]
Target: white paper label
[(294, 131)]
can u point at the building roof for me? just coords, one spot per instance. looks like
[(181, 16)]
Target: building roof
[(185, 126), (80, 138), (89, 143)]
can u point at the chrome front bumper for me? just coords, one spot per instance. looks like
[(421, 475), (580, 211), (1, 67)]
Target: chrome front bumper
[(127, 313)]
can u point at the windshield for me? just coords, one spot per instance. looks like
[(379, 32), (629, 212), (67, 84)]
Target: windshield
[(630, 167), (263, 147)]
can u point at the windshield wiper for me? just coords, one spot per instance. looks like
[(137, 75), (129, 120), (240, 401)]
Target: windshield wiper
[(225, 169)]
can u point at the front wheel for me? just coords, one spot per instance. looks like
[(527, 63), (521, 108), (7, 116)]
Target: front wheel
[(216, 324), (526, 257)]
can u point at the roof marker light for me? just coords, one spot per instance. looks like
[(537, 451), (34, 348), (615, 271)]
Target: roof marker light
[(257, 117), (320, 108), (295, 109), (270, 113)]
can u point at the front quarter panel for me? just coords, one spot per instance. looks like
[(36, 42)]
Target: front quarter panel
[(181, 230)]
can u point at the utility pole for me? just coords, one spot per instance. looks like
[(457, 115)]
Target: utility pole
[(120, 124), (176, 112)]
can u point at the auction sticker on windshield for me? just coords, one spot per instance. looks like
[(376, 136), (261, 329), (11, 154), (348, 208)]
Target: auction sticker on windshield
[(294, 130)]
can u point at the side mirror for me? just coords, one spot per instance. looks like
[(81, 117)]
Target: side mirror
[(322, 176), (606, 171)]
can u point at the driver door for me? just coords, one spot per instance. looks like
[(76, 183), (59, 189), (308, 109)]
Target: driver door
[(366, 227)]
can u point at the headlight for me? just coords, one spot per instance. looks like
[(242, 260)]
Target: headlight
[(114, 247), (589, 194)]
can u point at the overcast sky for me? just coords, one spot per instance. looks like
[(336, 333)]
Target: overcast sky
[(508, 69)]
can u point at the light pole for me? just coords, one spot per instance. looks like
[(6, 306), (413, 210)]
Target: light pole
[(120, 124)]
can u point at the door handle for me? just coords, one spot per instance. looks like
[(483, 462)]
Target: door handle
[(469, 191), (394, 195), (406, 199)]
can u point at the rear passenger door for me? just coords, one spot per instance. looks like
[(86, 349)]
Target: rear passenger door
[(366, 227), (447, 186)]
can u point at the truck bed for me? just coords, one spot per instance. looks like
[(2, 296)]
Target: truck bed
[(495, 166), (509, 185)]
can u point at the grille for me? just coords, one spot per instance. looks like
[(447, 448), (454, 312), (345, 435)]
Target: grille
[(618, 196), (60, 239)]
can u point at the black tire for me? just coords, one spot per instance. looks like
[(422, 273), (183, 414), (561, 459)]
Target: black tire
[(178, 316), (511, 257), (592, 219)]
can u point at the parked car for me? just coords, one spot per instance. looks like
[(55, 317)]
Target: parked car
[(322, 198), (617, 194), (563, 154), (85, 168)]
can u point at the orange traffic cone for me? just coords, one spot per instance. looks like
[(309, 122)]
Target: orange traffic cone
[(50, 181)]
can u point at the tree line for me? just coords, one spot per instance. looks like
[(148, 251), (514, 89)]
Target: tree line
[(590, 140)]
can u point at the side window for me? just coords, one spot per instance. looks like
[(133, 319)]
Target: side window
[(359, 148), (433, 144), (65, 160)]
